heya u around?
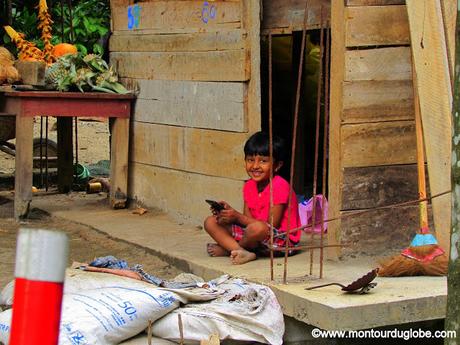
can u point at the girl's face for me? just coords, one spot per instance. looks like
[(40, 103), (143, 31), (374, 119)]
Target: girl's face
[(258, 167)]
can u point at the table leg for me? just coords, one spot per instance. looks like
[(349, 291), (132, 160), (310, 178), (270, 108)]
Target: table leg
[(119, 163), (65, 154), (23, 162)]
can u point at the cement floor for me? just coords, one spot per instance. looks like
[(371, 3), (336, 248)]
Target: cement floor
[(393, 301)]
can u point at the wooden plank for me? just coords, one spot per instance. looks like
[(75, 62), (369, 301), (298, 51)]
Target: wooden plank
[(374, 2), (180, 193), (172, 15), (65, 154), (434, 89), (230, 65), (211, 105), (449, 13), (189, 149), (335, 139), (23, 166), (206, 41), (369, 187), (375, 101), (376, 26), (119, 163), (251, 23), (384, 143), (378, 64), (290, 14), (380, 232)]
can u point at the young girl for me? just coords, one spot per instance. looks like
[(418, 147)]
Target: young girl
[(242, 235)]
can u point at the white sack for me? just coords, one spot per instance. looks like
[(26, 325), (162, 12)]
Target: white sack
[(5, 325), (246, 311), (102, 308)]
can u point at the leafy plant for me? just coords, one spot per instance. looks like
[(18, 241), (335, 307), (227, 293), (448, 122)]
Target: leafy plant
[(86, 24)]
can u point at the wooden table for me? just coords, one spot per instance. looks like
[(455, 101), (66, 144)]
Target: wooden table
[(65, 105)]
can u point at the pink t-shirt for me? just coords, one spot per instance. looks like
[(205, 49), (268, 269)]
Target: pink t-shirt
[(259, 204)]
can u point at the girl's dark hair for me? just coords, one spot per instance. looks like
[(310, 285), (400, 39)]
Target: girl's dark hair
[(259, 144)]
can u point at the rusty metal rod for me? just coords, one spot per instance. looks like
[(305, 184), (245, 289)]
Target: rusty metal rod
[(325, 146), (270, 131), (369, 210), (41, 152), (294, 135), (319, 93)]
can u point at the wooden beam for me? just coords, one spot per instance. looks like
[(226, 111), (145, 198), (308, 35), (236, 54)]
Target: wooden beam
[(290, 13), (229, 65), (374, 2), (65, 154), (251, 24), (449, 14), (189, 149), (138, 41), (376, 101), (181, 193), (369, 187), (381, 143), (119, 163), (169, 16), (434, 89), (336, 108), (23, 164), (211, 105), (376, 26), (378, 64)]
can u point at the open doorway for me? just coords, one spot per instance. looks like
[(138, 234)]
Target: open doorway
[(286, 50)]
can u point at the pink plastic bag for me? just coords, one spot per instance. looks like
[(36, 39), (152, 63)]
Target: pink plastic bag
[(306, 213)]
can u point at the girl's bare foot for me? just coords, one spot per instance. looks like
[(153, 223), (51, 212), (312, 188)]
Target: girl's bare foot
[(215, 250), (241, 256)]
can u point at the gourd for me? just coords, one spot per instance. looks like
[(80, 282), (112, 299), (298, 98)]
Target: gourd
[(8, 73)]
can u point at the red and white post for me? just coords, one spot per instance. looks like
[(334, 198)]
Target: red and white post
[(41, 259)]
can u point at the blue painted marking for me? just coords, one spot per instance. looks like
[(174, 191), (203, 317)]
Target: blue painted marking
[(208, 12), (134, 15)]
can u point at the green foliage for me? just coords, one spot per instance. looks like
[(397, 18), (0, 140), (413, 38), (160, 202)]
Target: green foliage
[(74, 72), (88, 29)]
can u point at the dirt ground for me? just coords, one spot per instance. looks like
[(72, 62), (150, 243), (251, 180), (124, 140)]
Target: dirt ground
[(85, 243)]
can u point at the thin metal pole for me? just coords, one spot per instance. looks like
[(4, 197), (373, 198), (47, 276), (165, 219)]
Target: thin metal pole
[(46, 155), (270, 131), (318, 116), (294, 137), (9, 5), (76, 140), (325, 141)]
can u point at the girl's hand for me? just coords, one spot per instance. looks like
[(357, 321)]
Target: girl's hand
[(228, 215)]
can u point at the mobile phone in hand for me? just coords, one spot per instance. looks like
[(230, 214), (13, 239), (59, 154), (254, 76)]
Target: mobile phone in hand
[(215, 205)]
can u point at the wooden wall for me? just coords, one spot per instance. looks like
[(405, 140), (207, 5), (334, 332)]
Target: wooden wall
[(372, 144), (197, 72)]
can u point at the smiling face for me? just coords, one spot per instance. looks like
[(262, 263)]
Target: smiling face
[(258, 168)]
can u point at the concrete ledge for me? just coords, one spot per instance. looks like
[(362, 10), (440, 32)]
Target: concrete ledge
[(394, 300)]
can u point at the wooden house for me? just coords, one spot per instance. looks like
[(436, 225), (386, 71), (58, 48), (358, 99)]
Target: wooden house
[(201, 71)]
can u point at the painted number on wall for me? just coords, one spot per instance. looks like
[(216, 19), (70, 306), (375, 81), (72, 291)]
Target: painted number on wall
[(134, 15), (208, 11)]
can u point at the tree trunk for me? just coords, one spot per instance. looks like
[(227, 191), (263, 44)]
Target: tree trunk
[(453, 280)]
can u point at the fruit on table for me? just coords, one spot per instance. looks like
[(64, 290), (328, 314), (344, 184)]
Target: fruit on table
[(63, 49)]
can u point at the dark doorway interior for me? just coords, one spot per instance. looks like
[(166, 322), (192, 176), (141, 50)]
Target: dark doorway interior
[(285, 66)]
